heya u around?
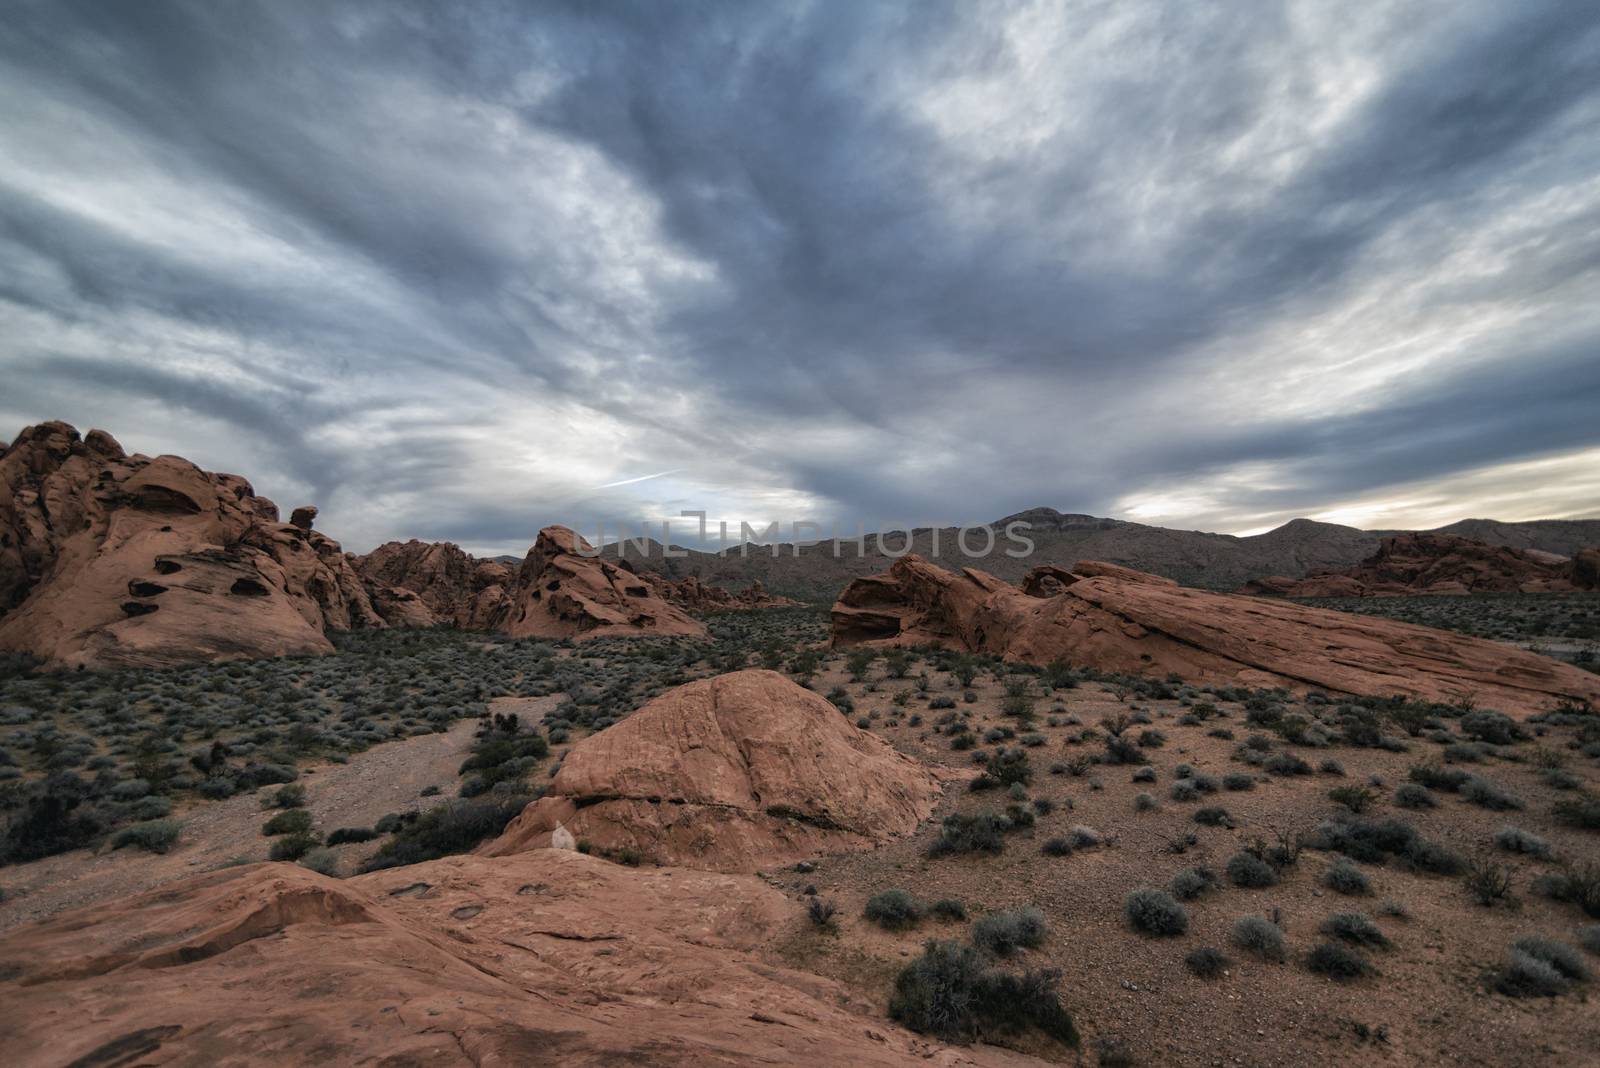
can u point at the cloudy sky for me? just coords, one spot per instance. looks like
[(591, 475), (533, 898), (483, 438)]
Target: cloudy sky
[(453, 271)]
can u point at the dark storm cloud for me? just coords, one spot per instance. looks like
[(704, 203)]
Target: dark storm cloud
[(449, 268)]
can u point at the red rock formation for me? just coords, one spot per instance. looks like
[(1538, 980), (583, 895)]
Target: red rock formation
[(1115, 620), (111, 560), (550, 957), (1436, 563), (730, 773), (439, 578), (695, 596), (562, 592)]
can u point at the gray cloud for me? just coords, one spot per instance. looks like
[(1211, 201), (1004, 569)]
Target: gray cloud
[(448, 269)]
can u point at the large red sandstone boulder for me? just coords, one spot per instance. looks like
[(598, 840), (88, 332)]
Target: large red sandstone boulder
[(564, 591), (451, 585), (549, 957), (111, 560), (1100, 617), (731, 773), (1434, 564)]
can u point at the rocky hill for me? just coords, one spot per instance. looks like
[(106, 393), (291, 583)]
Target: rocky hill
[(1191, 557), (1442, 564)]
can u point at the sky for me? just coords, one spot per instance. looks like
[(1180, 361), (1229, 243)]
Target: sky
[(456, 271)]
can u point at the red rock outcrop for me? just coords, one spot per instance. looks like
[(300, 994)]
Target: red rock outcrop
[(730, 773), (111, 560), (696, 596), (563, 591), (1106, 617), (1438, 563), (549, 957), (445, 582)]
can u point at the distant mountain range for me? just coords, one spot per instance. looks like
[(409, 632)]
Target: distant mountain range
[(1192, 557)]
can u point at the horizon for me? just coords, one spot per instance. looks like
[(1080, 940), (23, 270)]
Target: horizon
[(455, 274)]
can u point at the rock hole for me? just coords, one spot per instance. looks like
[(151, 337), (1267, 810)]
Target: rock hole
[(138, 608), (413, 890), (466, 912), (167, 567), (249, 587), (146, 589)]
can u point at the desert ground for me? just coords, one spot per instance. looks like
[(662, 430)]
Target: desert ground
[(1102, 786)]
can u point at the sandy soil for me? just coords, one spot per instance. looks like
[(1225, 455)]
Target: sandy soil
[(386, 778), (1427, 1005)]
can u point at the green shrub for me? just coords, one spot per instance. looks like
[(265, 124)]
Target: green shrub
[(1247, 870), (289, 821), (948, 992), (351, 834), (1517, 840), (293, 846), (1154, 912), (1355, 928), (1191, 883), (1003, 933), (1485, 794), (1206, 962), (1539, 967), (1338, 962), (981, 833), (291, 796), (322, 861), (453, 827), (152, 836), (893, 910), (1343, 877), (1412, 795), (1260, 936), (948, 909)]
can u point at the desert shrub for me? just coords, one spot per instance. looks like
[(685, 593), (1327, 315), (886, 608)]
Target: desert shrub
[(1003, 933), (1355, 798), (1260, 936), (821, 913), (1009, 767), (289, 821), (1539, 967), (1575, 884), (1056, 847), (1355, 928), (1183, 790), (1489, 883), (1190, 883), (53, 820), (948, 909), (1435, 777), (152, 836), (1206, 962), (453, 827), (893, 910), (1489, 795), (980, 833), (1589, 938), (1247, 870), (1517, 840), (949, 992), (1286, 764), (1144, 774), (1144, 802), (1154, 912), (1120, 750), (1152, 739), (293, 846), (1343, 877), (1583, 813), (1083, 837), (1411, 795), (1330, 766), (1338, 962), (1238, 781), (322, 861), (1373, 841), (1213, 816), (351, 834), (291, 796), (1491, 727)]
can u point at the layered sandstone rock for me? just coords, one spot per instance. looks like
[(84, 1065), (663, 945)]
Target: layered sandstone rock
[(1439, 564), (1107, 617), (111, 560), (547, 957), (448, 584), (563, 591), (696, 596), (730, 773)]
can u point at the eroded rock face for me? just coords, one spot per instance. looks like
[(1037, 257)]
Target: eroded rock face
[(1103, 616), (562, 593), (1439, 564), (111, 560), (696, 596), (730, 773), (544, 958), (450, 585)]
